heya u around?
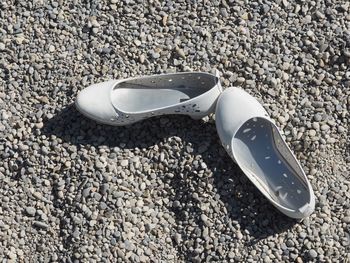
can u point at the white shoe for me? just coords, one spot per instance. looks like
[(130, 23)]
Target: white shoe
[(123, 102), (254, 142)]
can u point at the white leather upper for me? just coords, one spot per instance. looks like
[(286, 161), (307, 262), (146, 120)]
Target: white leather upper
[(234, 108), (94, 102)]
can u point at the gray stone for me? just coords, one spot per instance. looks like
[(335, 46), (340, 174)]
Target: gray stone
[(129, 246), (324, 127), (341, 129), (312, 253), (41, 225), (124, 163), (346, 219), (312, 133), (30, 211), (97, 196)]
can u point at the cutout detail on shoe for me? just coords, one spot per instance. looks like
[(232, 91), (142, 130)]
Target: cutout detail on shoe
[(147, 94)]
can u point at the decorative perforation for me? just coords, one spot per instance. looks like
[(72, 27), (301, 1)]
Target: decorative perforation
[(187, 109), (180, 81)]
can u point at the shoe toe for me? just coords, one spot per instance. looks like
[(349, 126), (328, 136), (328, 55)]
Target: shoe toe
[(95, 102)]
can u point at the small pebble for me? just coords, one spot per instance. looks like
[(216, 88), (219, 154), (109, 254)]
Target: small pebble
[(30, 211), (312, 253)]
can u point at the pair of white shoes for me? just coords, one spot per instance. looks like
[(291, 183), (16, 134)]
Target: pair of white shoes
[(246, 131)]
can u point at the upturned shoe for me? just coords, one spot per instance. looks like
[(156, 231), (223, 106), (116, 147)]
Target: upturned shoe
[(255, 143)]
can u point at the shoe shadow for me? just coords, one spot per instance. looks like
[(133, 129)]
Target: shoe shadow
[(212, 177), (71, 126)]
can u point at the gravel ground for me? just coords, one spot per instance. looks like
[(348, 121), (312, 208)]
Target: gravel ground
[(164, 190)]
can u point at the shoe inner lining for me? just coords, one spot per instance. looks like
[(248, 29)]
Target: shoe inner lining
[(154, 92), (262, 155)]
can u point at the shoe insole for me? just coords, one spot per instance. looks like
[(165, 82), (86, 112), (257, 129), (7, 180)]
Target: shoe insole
[(260, 152), (150, 93)]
